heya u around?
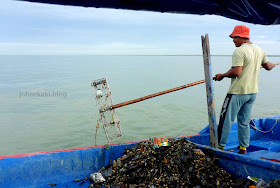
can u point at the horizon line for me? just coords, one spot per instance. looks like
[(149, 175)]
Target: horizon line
[(119, 55)]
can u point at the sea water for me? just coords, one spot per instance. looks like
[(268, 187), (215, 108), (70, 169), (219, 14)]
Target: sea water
[(47, 102)]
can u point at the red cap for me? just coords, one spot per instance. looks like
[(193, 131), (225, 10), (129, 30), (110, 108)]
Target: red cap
[(240, 31)]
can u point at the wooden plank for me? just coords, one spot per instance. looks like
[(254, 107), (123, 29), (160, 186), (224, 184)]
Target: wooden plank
[(209, 91)]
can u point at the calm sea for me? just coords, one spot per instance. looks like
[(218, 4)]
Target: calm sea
[(47, 102)]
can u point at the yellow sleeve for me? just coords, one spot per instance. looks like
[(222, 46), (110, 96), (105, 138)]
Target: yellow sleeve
[(237, 58), (265, 59)]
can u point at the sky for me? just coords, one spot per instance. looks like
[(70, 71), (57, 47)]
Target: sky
[(42, 29)]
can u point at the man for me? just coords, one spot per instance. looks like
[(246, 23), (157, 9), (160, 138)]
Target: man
[(244, 73)]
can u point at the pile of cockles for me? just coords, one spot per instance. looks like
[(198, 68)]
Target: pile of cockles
[(173, 163)]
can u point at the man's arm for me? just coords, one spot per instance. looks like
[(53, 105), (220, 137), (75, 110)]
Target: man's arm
[(232, 73), (268, 65)]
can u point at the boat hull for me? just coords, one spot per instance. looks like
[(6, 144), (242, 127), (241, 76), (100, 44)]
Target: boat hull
[(63, 167)]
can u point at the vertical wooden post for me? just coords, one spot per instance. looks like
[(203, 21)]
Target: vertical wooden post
[(209, 91)]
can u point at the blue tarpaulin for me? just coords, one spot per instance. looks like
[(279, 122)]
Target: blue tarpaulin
[(265, 12)]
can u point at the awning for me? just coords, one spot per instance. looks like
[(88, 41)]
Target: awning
[(265, 12)]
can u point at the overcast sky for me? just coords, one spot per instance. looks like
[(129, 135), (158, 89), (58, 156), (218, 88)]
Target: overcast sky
[(43, 29)]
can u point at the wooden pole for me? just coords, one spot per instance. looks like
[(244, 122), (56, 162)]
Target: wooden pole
[(152, 95), (165, 92), (209, 91)]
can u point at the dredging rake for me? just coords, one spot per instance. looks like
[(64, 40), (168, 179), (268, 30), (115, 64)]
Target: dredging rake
[(109, 120)]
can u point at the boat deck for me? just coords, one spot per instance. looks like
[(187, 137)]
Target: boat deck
[(263, 155)]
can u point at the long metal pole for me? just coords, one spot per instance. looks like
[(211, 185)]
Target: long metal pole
[(209, 91)]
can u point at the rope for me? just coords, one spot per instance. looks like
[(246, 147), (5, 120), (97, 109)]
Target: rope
[(97, 126), (255, 127)]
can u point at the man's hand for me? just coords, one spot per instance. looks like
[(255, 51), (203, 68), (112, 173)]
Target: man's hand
[(231, 73), (219, 77), (268, 66)]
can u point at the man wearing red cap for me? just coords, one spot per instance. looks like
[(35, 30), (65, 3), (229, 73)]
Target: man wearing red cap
[(244, 73)]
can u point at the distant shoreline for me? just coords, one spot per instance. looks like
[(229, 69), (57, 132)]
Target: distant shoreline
[(126, 55)]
